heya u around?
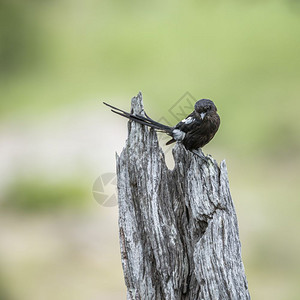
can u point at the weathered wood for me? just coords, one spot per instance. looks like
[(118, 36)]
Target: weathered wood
[(178, 228)]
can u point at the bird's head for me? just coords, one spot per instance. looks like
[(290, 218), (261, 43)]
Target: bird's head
[(204, 106)]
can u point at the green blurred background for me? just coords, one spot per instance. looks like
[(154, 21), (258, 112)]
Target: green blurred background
[(60, 59)]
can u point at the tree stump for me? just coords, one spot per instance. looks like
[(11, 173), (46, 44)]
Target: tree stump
[(179, 234)]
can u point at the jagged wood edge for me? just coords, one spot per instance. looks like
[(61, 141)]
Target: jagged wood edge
[(178, 228)]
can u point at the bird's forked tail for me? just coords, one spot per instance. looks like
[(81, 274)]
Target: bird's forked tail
[(142, 120)]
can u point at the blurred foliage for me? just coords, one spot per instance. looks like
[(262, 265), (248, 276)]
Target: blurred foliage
[(18, 40), (37, 195), (243, 55), (4, 291)]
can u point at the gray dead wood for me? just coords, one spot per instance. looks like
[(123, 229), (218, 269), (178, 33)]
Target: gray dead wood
[(178, 228)]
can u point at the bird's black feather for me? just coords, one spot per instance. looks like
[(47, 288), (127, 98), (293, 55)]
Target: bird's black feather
[(194, 132)]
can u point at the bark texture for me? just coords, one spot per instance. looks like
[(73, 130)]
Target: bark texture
[(178, 228)]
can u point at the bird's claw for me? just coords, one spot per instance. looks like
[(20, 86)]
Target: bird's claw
[(201, 155)]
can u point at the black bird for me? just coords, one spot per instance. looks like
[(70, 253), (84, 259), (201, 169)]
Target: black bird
[(195, 131)]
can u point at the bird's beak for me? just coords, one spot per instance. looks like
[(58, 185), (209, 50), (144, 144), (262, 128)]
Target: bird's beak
[(202, 115)]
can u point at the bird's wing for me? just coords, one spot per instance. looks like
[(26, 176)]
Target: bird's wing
[(189, 123), (171, 141)]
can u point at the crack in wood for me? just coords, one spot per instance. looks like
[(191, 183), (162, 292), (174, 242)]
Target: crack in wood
[(178, 228)]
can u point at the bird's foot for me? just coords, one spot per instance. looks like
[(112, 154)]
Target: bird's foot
[(200, 154)]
